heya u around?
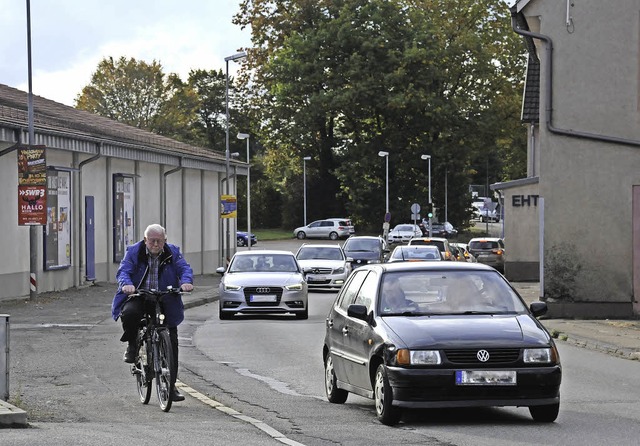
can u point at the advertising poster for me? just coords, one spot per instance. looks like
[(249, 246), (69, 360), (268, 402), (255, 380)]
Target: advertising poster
[(57, 231), (32, 183), (228, 206), (123, 216)]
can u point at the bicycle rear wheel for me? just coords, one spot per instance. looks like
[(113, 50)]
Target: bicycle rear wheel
[(142, 372), (164, 389)]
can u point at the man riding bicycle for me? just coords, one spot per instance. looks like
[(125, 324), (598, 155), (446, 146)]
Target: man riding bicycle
[(151, 264)]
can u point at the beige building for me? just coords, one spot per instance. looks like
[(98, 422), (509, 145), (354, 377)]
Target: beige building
[(579, 208), (105, 183)]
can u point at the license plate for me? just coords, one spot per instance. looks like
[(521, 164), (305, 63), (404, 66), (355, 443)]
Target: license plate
[(263, 298), (316, 279), (486, 378)]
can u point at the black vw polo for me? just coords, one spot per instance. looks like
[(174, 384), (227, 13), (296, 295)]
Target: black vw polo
[(439, 334)]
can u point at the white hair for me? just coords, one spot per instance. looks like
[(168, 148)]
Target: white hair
[(156, 229)]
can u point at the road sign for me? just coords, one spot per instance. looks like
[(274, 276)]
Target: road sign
[(387, 217), (415, 208)]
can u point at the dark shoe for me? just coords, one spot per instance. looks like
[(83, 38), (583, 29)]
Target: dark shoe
[(130, 354), (177, 396)]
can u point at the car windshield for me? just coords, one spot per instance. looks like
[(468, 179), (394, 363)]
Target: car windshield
[(362, 245), (404, 228), (416, 253), (263, 263), (308, 253), (420, 293), (438, 243)]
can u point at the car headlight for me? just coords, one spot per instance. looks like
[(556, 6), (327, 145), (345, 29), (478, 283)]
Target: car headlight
[(374, 261), (228, 287), (540, 355), (418, 357), (338, 270), (294, 287)]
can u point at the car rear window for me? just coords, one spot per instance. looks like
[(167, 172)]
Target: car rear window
[(438, 243), (483, 245)]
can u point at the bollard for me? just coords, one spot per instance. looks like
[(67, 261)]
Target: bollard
[(4, 356)]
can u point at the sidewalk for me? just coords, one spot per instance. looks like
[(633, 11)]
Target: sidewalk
[(614, 337)]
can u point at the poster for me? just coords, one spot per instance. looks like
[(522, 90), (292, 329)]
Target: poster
[(32, 182), (228, 206), (57, 231), (123, 215)]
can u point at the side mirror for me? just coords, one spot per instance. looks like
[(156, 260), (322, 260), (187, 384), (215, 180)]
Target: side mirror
[(221, 270), (357, 311), (538, 308)]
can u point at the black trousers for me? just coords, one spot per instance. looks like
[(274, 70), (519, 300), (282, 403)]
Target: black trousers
[(131, 315)]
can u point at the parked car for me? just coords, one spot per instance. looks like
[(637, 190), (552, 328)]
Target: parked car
[(403, 233), (415, 253), (365, 249), (263, 281), (331, 229), (243, 238), (489, 250), (325, 266), (464, 254), (441, 242), (438, 334)]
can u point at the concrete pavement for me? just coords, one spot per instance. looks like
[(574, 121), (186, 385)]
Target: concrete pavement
[(615, 337)]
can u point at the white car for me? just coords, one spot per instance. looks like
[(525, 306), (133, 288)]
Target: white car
[(263, 282), (403, 233), (325, 266)]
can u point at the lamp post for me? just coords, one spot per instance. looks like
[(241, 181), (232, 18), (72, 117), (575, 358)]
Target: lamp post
[(428, 157), (304, 185), (236, 56), (246, 136), (387, 217)]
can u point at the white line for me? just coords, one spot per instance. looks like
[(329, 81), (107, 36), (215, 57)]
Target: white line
[(264, 427)]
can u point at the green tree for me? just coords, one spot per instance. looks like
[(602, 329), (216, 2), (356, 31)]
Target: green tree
[(342, 80), (125, 90)]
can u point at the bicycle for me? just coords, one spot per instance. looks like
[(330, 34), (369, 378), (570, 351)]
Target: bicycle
[(154, 354)]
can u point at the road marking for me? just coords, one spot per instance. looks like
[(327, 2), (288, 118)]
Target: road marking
[(264, 427)]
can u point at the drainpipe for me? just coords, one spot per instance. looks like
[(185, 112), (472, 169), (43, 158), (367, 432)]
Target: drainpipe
[(81, 208), (163, 199), (549, 93)]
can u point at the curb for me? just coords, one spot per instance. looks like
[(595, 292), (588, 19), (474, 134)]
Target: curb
[(12, 416)]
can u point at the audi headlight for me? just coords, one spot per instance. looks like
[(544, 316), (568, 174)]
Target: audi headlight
[(418, 357), (228, 287), (539, 355), (294, 287)]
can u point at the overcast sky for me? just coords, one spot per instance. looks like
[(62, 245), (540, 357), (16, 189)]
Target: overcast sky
[(70, 37)]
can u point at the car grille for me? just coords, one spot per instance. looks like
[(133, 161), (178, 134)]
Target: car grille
[(248, 291), (496, 356), (321, 271)]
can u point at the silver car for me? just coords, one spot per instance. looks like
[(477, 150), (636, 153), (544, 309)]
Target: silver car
[(325, 266), (263, 281), (331, 229)]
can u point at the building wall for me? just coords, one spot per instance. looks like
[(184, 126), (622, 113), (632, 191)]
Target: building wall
[(587, 183), (522, 233)]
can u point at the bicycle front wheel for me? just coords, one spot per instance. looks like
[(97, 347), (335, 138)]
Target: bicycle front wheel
[(142, 372), (164, 389)]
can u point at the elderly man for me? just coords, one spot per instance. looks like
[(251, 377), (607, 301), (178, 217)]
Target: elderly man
[(151, 263)]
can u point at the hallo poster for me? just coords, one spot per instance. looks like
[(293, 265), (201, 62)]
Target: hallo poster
[(32, 186)]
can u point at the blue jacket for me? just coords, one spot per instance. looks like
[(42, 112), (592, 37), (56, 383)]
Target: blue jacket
[(173, 270)]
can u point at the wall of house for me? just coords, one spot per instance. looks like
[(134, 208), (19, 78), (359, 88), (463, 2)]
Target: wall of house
[(587, 184), (522, 233)]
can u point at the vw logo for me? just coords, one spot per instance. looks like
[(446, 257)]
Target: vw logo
[(482, 355), (263, 290)]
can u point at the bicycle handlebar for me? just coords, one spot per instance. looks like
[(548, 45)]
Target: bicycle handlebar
[(169, 290)]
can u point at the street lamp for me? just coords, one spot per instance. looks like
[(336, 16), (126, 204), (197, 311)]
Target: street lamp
[(304, 185), (236, 56), (386, 155), (246, 136), (428, 157), (387, 216)]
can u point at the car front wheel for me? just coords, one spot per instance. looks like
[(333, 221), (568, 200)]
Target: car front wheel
[(301, 235), (385, 411), (334, 394)]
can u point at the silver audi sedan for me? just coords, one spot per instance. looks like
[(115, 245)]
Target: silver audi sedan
[(263, 282)]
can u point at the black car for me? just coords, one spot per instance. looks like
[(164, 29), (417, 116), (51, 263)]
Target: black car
[(363, 249), (439, 334)]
